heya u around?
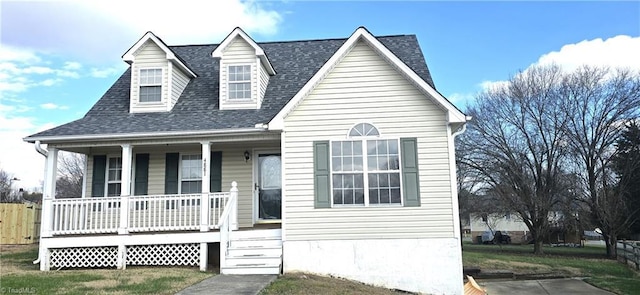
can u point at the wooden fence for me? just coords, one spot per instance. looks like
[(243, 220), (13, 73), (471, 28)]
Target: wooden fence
[(629, 253), (19, 223)]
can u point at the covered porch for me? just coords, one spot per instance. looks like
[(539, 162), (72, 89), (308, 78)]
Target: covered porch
[(160, 203)]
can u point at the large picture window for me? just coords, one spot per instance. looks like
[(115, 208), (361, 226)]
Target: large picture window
[(239, 82), (365, 170), (150, 85)]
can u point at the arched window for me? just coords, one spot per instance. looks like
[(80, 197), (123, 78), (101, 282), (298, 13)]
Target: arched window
[(364, 129)]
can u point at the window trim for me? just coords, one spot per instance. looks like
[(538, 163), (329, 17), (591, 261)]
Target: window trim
[(180, 180), (229, 83), (365, 169), (156, 84)]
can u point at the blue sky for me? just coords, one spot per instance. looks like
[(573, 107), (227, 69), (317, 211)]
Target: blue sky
[(57, 58)]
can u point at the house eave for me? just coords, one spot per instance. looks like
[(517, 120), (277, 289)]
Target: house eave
[(144, 135)]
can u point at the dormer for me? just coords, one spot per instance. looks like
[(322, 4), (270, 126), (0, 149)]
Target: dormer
[(158, 76), (244, 72)]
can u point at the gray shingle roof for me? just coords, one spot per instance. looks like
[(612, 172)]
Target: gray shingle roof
[(197, 108)]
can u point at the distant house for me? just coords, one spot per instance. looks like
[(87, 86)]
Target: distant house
[(508, 222), (331, 156), (518, 230)]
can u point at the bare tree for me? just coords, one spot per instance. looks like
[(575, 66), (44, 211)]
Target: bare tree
[(518, 143), (5, 186), (597, 102), (71, 174)]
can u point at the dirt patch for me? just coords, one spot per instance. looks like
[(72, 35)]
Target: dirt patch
[(306, 284), (9, 268), (10, 249)]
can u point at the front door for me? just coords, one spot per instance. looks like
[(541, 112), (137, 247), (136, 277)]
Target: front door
[(269, 187)]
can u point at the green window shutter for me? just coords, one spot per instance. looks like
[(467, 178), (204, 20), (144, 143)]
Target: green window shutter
[(216, 172), (142, 175), (171, 173), (410, 179), (321, 174), (98, 181)]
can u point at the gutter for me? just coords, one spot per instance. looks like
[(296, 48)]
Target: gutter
[(145, 135)]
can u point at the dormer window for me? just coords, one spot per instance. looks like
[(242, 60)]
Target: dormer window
[(240, 82), (150, 85)]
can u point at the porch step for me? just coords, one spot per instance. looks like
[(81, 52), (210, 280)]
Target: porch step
[(254, 252), (252, 270), (255, 242), (258, 233), (250, 260)]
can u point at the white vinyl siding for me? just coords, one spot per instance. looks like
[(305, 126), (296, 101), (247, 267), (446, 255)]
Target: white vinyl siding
[(363, 87), (179, 83), (264, 81), (239, 53)]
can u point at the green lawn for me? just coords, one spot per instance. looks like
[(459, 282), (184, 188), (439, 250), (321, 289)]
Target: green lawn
[(20, 275), (589, 262)]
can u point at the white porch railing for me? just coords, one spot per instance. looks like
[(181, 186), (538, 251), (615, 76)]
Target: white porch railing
[(143, 213), (226, 223), (85, 216)]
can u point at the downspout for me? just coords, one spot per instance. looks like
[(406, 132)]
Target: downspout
[(40, 149), (460, 131), (464, 127), (45, 153)]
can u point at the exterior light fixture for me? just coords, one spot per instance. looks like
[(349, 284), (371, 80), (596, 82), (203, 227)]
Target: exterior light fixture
[(247, 156)]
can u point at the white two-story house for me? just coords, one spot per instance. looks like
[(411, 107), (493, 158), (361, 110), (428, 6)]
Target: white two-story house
[(333, 157)]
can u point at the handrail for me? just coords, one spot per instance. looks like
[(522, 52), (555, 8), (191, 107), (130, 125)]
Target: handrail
[(224, 223)]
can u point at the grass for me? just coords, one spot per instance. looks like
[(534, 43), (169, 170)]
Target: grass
[(306, 284), (20, 275), (589, 262)]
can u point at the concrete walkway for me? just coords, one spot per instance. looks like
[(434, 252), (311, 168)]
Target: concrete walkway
[(230, 285), (542, 287)]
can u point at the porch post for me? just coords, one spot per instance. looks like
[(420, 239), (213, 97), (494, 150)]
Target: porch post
[(206, 187), (233, 215), (48, 194), (125, 188)]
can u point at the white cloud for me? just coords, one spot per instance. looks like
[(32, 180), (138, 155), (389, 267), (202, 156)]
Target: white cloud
[(53, 106), (459, 99), (192, 21), (49, 82), (619, 51), (72, 65), (12, 54), (20, 158), (22, 69), (106, 72), (102, 27)]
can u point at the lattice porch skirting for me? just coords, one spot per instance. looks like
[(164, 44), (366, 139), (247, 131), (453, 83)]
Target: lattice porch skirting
[(107, 256)]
